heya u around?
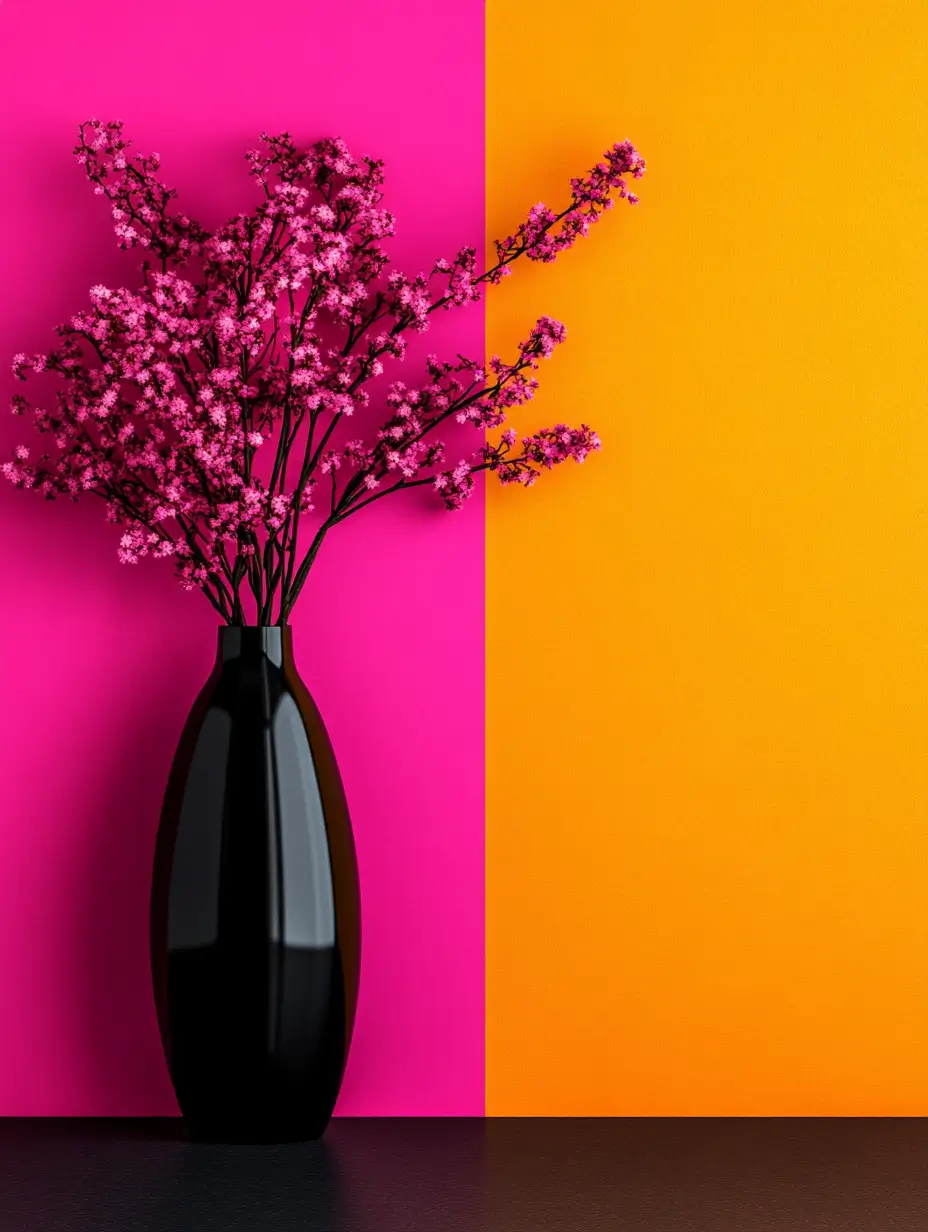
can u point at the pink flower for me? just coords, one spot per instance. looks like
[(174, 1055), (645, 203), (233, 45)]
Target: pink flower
[(210, 412)]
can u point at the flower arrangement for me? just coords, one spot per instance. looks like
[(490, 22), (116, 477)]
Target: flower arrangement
[(210, 411)]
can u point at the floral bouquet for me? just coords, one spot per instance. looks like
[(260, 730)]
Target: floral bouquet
[(230, 411), (211, 406)]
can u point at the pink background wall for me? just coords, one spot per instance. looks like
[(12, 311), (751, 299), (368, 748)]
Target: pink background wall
[(99, 662)]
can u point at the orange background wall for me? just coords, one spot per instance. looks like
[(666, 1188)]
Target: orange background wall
[(708, 648)]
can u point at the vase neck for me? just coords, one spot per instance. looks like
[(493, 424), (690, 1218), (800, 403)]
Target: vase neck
[(255, 642)]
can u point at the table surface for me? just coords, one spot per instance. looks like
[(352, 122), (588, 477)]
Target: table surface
[(506, 1175)]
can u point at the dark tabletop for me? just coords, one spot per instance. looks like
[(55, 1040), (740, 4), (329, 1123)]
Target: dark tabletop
[(688, 1175)]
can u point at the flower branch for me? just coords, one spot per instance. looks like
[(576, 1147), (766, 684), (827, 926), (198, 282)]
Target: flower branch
[(278, 328)]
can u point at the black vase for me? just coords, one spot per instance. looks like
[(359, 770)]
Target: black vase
[(255, 911)]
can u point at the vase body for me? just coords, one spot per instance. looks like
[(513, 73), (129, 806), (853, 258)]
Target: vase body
[(255, 911)]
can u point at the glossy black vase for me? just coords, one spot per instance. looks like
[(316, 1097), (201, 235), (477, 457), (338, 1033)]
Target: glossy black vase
[(255, 912)]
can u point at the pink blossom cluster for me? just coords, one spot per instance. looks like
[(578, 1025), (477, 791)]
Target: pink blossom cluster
[(207, 406), (545, 233)]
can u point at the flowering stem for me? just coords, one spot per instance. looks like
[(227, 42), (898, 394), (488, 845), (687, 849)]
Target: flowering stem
[(169, 391), (293, 590)]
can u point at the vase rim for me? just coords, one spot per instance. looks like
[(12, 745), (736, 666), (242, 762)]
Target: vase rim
[(228, 625)]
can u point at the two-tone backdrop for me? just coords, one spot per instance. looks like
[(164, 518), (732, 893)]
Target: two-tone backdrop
[(638, 760)]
